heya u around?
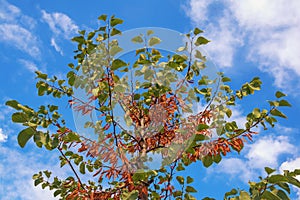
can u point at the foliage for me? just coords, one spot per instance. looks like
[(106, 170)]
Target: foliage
[(161, 119)]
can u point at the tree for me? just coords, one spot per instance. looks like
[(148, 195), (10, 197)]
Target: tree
[(155, 96)]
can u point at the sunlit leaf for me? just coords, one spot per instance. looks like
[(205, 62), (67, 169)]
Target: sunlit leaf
[(153, 41), (276, 112), (201, 41), (137, 39)]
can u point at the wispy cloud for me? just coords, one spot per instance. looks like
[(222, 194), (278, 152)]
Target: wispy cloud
[(15, 29), (3, 137), (61, 25), (56, 47), (269, 29), (29, 65), (8, 12), (16, 170)]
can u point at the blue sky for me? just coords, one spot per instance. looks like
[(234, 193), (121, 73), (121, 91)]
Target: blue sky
[(249, 38)]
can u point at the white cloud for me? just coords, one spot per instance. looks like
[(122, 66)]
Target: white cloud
[(8, 12), (15, 29), (266, 151), (13, 15), (237, 167), (269, 29), (266, 13), (30, 66), (3, 137), (197, 10), (285, 130), (225, 40), (20, 38), (56, 47), (291, 165), (60, 24), (16, 170)]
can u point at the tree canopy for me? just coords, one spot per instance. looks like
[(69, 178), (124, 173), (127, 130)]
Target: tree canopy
[(147, 119)]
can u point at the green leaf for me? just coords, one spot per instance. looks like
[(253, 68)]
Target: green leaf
[(180, 179), (137, 39), (56, 193), (269, 170), (230, 193), (102, 17), (150, 32), (47, 173), (200, 137), (279, 94), (79, 39), (82, 168), (13, 103), (41, 75), (115, 21), (284, 103), (133, 195), (201, 127), (38, 181), (293, 181), (181, 49), (281, 194), (207, 161), (256, 113), (19, 117), (225, 79), (190, 189), (177, 193), (217, 158), (114, 50), (199, 55), (180, 167), (91, 35), (269, 196), (153, 41), (118, 63), (277, 178), (25, 135), (244, 195), (276, 112), (201, 41), (228, 113), (197, 31), (274, 103), (189, 180), (115, 32), (285, 186)]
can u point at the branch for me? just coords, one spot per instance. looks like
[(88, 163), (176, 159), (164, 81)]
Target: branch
[(70, 164)]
